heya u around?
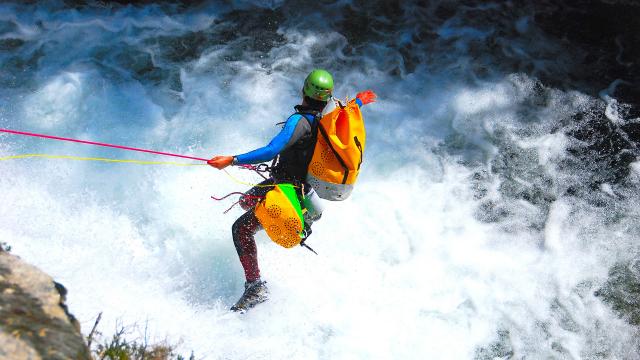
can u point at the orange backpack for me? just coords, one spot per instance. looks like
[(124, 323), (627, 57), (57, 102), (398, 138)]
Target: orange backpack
[(338, 153)]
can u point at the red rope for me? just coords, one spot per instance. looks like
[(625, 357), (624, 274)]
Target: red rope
[(236, 203), (226, 196), (99, 144), (262, 168), (257, 169)]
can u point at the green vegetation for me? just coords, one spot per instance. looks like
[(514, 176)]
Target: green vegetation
[(120, 347)]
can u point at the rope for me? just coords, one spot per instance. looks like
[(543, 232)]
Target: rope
[(262, 168), (242, 195), (69, 157), (258, 169), (98, 144), (123, 161), (244, 183), (229, 194)]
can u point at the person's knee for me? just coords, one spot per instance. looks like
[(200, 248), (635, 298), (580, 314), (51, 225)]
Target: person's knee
[(247, 202)]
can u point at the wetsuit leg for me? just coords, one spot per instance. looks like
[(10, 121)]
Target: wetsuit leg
[(243, 231), (246, 227)]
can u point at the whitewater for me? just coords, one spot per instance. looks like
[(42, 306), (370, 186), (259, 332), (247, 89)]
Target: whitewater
[(475, 229)]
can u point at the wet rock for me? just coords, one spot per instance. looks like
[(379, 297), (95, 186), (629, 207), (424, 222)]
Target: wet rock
[(501, 348), (604, 149), (10, 44), (602, 37), (622, 291), (34, 320)]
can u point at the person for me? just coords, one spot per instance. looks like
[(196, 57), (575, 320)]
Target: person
[(292, 148)]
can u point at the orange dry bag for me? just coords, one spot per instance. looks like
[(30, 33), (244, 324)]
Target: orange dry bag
[(337, 157)]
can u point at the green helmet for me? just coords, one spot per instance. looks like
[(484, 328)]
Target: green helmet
[(318, 85)]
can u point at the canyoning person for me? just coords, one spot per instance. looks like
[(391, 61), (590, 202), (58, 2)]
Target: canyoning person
[(292, 150)]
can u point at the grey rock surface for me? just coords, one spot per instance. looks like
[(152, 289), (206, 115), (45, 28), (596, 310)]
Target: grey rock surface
[(34, 320)]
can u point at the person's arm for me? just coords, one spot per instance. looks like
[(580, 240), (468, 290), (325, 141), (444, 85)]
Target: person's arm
[(290, 133)]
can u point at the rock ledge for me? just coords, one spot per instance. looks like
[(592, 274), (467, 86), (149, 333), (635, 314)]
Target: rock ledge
[(34, 321)]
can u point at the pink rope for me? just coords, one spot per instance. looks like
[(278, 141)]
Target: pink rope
[(258, 169), (99, 144), (236, 203), (226, 196)]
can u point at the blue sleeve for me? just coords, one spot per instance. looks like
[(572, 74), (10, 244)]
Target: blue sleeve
[(275, 146), (359, 102)]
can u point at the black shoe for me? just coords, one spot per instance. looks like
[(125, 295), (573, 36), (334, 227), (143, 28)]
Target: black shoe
[(255, 292)]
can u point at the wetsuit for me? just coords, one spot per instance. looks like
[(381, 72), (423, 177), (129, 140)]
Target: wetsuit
[(293, 147)]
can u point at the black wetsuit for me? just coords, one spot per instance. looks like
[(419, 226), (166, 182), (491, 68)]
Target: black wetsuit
[(293, 147)]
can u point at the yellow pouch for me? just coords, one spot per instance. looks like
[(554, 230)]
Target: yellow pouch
[(281, 215)]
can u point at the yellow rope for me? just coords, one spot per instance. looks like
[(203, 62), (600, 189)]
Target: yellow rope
[(245, 183), (140, 162)]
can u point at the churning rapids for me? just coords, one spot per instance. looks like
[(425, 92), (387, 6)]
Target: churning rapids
[(496, 215)]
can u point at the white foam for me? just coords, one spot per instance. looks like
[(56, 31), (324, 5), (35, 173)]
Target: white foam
[(56, 103)]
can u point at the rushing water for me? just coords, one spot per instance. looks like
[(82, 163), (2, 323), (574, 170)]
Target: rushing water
[(496, 214)]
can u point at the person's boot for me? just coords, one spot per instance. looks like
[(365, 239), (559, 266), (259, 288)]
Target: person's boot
[(255, 292)]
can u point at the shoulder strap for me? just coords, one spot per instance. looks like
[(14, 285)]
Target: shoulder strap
[(317, 115), (303, 112)]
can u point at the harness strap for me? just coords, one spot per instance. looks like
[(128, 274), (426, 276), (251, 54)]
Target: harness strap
[(355, 138)]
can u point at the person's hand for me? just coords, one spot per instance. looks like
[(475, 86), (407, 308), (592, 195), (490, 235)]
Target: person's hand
[(367, 97), (220, 162)]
